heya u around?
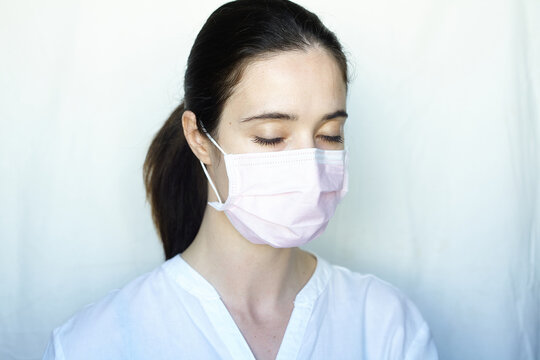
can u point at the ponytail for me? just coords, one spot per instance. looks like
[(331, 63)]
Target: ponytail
[(175, 186)]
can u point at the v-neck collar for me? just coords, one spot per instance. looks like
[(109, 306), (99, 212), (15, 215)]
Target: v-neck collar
[(195, 284)]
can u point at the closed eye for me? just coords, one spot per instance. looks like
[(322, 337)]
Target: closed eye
[(267, 142), (332, 139)]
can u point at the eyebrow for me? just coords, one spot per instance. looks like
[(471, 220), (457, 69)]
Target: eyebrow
[(339, 113), (271, 115), (283, 116)]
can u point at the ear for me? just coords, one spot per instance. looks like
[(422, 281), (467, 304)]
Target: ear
[(199, 144)]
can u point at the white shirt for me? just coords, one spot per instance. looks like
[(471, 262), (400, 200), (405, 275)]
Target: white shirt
[(174, 313)]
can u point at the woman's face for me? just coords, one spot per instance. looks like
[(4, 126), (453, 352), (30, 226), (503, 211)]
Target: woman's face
[(292, 100)]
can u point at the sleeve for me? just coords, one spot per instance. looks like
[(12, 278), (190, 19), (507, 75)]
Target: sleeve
[(422, 347), (54, 349)]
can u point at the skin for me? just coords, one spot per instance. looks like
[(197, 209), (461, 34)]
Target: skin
[(307, 86)]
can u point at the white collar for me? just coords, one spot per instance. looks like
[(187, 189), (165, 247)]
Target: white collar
[(193, 282)]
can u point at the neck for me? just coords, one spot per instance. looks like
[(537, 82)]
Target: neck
[(244, 273)]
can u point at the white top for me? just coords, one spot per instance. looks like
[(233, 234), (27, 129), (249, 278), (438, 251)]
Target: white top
[(174, 313)]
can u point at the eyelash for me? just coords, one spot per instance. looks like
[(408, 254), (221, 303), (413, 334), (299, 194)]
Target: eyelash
[(267, 142), (273, 142), (333, 139)]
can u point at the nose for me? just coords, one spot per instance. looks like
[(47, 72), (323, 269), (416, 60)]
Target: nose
[(306, 141)]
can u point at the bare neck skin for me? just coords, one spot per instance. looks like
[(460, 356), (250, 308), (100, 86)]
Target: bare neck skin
[(246, 275), (257, 283)]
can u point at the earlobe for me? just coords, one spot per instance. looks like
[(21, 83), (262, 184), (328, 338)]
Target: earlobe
[(196, 141)]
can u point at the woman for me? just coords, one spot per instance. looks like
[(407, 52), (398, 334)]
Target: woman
[(250, 166)]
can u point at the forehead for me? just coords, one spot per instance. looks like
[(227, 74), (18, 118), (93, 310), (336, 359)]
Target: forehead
[(305, 82)]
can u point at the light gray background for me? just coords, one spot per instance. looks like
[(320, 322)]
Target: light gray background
[(443, 131)]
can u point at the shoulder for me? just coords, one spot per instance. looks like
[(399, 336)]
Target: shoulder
[(379, 296), (104, 328), (358, 287), (386, 316)]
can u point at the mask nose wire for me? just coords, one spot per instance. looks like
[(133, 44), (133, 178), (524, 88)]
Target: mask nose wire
[(204, 167)]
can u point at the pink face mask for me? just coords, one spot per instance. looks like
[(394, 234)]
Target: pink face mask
[(282, 198)]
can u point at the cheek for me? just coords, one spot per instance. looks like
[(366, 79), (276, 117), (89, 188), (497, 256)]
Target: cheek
[(232, 138), (219, 176)]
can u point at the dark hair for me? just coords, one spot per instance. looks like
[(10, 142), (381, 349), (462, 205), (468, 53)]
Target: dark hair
[(235, 34)]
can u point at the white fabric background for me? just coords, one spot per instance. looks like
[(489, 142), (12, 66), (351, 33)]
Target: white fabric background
[(444, 136)]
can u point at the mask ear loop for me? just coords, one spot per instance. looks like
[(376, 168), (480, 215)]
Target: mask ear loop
[(204, 167)]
